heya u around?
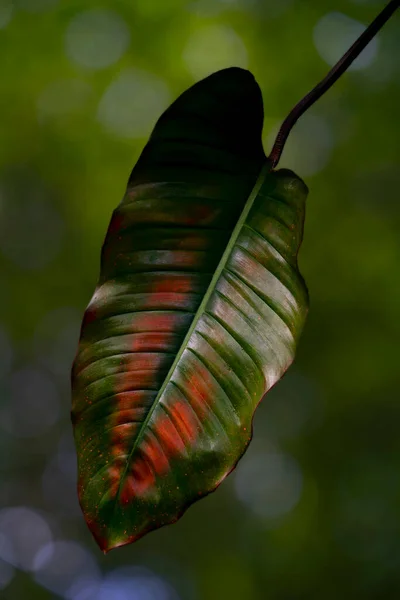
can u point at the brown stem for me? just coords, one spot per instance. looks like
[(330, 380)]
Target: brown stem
[(329, 80)]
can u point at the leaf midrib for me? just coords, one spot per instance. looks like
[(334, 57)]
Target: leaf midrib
[(221, 265)]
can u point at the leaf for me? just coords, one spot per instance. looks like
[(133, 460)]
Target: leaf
[(197, 313)]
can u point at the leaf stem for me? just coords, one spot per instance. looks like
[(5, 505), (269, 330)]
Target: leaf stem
[(341, 66)]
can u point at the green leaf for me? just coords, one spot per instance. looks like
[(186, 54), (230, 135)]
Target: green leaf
[(197, 313)]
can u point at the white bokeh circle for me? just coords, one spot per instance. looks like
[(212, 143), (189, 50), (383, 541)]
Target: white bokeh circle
[(212, 48), (96, 38), (132, 103), (335, 33)]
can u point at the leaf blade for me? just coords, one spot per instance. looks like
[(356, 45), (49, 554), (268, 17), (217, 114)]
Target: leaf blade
[(177, 425)]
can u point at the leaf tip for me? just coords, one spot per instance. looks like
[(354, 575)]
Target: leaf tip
[(108, 544)]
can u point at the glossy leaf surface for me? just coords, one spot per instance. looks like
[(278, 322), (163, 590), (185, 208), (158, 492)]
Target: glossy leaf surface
[(197, 313)]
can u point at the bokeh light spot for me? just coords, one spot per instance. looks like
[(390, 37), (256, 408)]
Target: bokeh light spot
[(23, 533), (309, 146), (269, 483), (132, 103), (135, 583), (6, 12), (84, 588), (333, 36), (61, 564), (97, 38), (213, 48)]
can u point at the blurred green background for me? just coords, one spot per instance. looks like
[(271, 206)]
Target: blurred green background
[(313, 509)]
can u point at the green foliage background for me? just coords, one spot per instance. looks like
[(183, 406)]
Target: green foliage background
[(336, 413)]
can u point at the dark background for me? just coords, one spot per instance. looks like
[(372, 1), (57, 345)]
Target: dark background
[(313, 509)]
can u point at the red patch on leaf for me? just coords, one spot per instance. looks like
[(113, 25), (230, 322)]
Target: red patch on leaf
[(129, 401), (121, 436), (89, 316), (180, 284), (169, 436), (185, 420), (165, 300), (156, 455), (115, 224), (145, 361), (198, 399), (152, 341), (114, 474), (139, 380), (138, 481), (202, 214), (149, 321)]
